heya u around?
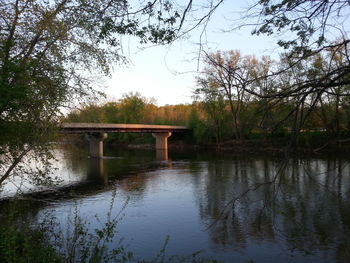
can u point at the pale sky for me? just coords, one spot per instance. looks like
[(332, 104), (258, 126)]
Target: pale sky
[(167, 73)]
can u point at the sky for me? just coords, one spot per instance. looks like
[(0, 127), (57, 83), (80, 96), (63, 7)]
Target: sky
[(167, 73)]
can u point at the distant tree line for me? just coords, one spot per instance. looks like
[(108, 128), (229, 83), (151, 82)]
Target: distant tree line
[(240, 98), (132, 108), (271, 97), (51, 51)]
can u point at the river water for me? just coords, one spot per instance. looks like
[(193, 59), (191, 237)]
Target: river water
[(234, 208)]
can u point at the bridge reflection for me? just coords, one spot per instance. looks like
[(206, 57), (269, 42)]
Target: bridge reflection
[(96, 171), (98, 167), (162, 154)]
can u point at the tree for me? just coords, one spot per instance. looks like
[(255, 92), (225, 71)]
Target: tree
[(214, 104), (50, 54), (312, 22), (232, 75), (317, 27), (132, 107)]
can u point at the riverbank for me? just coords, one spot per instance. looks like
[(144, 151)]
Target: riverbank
[(249, 147), (307, 143)]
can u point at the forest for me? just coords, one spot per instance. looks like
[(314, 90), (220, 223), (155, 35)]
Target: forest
[(238, 98)]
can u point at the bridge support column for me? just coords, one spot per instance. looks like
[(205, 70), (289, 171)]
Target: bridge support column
[(161, 140), (162, 155), (96, 171), (96, 144)]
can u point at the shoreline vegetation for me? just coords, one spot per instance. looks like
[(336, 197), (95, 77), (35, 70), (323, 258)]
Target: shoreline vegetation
[(323, 129), (310, 144), (43, 241), (228, 149), (250, 147)]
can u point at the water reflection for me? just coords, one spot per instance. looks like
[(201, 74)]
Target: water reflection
[(305, 206), (231, 207), (96, 171), (162, 154)]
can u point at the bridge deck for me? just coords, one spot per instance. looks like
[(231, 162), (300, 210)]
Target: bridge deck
[(110, 128)]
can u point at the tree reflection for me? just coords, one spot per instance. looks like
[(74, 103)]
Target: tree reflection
[(305, 206)]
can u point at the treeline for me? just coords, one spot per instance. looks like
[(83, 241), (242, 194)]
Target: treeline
[(290, 100), (216, 118), (133, 108), (291, 97)]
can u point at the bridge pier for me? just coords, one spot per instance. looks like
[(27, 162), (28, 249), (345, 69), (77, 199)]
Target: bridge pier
[(162, 155), (161, 140), (96, 143), (96, 171)]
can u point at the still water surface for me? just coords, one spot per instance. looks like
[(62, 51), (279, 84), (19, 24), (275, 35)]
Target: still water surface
[(297, 211)]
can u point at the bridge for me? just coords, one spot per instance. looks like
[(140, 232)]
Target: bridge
[(96, 133)]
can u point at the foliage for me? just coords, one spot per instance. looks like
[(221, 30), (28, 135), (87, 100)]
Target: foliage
[(226, 77), (210, 116), (51, 53), (310, 21), (318, 28), (24, 242), (306, 89), (262, 101), (23, 239), (131, 108)]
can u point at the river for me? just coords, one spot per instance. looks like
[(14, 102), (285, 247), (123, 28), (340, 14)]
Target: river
[(231, 207)]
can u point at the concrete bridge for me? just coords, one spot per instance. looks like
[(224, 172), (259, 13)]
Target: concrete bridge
[(96, 133)]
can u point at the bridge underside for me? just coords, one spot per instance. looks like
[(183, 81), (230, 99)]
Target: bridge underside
[(96, 142), (96, 133), (111, 128)]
